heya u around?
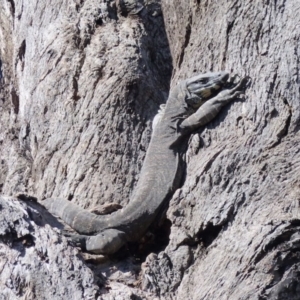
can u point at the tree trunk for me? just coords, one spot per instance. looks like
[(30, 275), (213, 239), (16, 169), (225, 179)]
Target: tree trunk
[(80, 84)]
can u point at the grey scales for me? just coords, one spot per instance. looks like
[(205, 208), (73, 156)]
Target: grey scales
[(191, 104)]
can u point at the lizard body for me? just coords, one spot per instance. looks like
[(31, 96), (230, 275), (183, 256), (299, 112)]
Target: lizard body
[(191, 104)]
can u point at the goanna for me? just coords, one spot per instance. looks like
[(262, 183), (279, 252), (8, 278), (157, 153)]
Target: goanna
[(191, 104)]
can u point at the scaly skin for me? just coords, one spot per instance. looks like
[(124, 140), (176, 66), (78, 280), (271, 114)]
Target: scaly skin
[(190, 105)]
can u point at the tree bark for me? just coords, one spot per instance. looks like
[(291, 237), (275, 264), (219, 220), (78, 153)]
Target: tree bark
[(80, 84)]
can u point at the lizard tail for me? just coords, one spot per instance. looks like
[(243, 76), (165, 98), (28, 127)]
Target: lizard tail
[(79, 219)]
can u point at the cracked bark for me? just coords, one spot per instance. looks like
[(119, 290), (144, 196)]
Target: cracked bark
[(80, 84)]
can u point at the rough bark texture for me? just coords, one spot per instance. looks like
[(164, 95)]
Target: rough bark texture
[(80, 84), (35, 260)]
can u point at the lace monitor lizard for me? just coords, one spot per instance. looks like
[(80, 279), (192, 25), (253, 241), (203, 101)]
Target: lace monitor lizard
[(191, 104)]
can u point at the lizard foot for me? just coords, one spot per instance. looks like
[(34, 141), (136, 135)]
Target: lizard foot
[(105, 209), (229, 94), (78, 240), (107, 242)]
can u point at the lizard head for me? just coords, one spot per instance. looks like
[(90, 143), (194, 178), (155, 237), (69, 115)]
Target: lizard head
[(201, 87), (190, 94)]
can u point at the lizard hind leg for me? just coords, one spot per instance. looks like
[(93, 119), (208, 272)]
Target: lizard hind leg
[(108, 241)]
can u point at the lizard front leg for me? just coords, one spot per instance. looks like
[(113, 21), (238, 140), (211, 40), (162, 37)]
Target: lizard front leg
[(208, 111)]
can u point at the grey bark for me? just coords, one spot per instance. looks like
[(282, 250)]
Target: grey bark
[(80, 84), (35, 259)]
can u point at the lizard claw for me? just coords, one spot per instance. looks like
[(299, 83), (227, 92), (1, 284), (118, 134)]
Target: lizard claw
[(235, 92), (234, 78)]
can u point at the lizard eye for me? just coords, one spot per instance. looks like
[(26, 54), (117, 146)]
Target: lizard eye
[(204, 80)]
